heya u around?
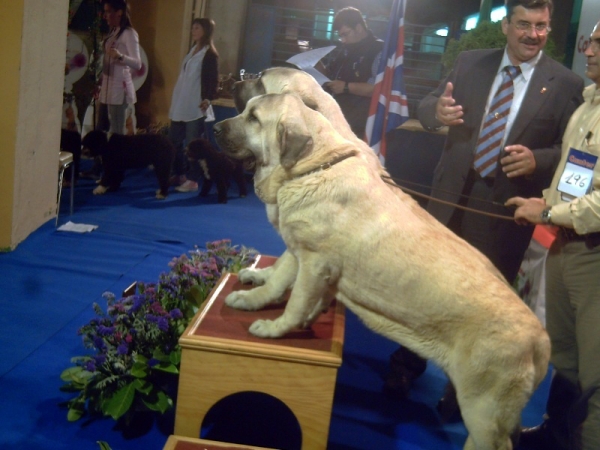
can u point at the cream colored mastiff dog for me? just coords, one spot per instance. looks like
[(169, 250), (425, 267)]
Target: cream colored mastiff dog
[(396, 267), (280, 80)]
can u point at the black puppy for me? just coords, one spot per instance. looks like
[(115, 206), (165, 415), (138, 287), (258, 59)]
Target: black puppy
[(120, 153), (216, 167)]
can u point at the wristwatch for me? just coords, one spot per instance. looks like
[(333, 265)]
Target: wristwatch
[(546, 216), (120, 58), (346, 88)]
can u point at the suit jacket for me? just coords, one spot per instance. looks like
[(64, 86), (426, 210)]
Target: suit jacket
[(553, 94)]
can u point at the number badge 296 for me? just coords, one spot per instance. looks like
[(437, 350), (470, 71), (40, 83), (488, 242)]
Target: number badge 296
[(576, 179)]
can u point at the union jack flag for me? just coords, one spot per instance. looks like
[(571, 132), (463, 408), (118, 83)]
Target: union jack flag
[(389, 105)]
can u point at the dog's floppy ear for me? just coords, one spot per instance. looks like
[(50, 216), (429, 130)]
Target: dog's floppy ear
[(294, 141)]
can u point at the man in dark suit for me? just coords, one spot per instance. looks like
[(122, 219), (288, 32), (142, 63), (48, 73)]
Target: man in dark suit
[(543, 95)]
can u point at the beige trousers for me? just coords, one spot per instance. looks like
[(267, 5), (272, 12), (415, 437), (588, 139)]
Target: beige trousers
[(573, 322)]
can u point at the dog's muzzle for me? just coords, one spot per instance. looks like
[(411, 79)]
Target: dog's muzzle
[(220, 134)]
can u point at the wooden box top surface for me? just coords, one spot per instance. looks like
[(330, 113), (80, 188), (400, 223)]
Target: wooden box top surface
[(220, 328), (186, 443)]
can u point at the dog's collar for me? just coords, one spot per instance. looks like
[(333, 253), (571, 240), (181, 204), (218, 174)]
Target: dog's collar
[(327, 165)]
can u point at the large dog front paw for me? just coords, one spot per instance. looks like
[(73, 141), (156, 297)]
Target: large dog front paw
[(269, 328), (242, 300), (100, 190), (257, 277)]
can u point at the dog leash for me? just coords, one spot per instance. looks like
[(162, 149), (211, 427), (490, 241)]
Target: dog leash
[(394, 182), (327, 165)]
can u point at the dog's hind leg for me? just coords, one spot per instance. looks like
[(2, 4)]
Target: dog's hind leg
[(491, 403), (282, 278), (312, 282), (486, 432)]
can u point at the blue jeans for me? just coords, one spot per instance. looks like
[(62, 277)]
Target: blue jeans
[(112, 118), (181, 134)]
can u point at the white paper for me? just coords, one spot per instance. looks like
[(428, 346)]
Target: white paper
[(77, 227), (307, 61), (321, 79), (210, 114)]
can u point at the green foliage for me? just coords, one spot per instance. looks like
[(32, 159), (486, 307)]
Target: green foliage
[(485, 35), (136, 354)]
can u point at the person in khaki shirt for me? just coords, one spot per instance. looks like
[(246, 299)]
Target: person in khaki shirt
[(572, 204)]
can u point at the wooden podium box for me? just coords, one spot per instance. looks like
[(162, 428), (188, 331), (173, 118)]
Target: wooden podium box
[(184, 443), (220, 357)]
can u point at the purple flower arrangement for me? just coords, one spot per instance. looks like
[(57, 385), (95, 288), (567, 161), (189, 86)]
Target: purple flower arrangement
[(134, 358)]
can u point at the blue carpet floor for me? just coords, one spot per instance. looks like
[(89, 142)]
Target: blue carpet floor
[(50, 281)]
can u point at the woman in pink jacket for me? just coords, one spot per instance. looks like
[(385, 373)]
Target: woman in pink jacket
[(121, 54)]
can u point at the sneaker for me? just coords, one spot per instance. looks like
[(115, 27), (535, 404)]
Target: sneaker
[(188, 186)]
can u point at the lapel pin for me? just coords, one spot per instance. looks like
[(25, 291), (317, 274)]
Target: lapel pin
[(543, 91)]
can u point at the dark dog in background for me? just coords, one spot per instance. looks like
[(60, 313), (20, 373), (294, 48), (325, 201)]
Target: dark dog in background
[(217, 168), (120, 153)]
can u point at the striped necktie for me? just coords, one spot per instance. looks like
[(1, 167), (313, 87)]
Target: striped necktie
[(492, 132)]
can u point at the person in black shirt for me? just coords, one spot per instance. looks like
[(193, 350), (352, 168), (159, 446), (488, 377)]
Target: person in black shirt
[(353, 67)]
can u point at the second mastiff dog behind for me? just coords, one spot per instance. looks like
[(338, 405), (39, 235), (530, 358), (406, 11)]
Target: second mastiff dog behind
[(404, 274)]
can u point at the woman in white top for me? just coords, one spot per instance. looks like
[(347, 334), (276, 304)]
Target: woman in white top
[(196, 87), (121, 54)]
